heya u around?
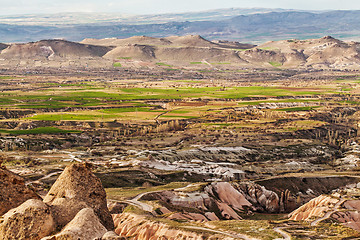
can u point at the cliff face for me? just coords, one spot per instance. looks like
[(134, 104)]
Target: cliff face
[(139, 228)]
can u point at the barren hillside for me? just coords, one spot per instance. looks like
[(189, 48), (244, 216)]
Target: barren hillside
[(52, 49), (194, 50)]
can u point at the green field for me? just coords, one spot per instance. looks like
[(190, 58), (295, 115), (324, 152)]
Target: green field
[(117, 64), (298, 109), (116, 102), (40, 130), (275, 64), (163, 64)]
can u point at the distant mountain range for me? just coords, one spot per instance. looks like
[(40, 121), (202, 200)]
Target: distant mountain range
[(256, 25)]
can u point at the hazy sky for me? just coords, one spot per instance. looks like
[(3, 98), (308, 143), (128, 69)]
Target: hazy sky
[(9, 7)]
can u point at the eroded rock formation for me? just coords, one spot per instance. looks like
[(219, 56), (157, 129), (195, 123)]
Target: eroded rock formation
[(138, 227), (222, 200), (32, 220), (317, 207), (13, 191), (77, 188), (75, 205), (85, 225)]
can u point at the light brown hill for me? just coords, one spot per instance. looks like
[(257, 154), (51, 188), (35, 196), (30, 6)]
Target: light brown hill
[(322, 53), (191, 41), (174, 41), (53, 49), (326, 52), (136, 52), (195, 54), (142, 40)]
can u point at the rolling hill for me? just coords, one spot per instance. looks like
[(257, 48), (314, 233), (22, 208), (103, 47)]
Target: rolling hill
[(47, 49), (322, 53)]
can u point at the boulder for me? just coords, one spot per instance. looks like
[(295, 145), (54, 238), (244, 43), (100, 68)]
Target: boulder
[(32, 220), (13, 191), (77, 188), (85, 226)]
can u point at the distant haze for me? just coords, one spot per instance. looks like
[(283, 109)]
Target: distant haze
[(11, 7)]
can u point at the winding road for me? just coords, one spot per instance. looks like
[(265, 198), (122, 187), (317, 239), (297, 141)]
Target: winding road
[(284, 234), (135, 202), (45, 177)]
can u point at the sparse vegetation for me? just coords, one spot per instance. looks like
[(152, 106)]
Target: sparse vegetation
[(124, 193), (117, 64), (255, 228), (163, 64), (40, 130), (275, 64)]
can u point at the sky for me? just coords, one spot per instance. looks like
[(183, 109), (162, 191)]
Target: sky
[(11, 7)]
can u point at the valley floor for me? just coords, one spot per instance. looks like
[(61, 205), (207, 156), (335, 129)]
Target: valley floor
[(222, 153)]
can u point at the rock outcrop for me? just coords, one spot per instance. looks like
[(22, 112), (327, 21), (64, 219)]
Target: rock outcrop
[(222, 200), (317, 207), (294, 192), (340, 206), (76, 204), (85, 225), (13, 191), (351, 216), (77, 188), (30, 221), (229, 195), (261, 199)]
